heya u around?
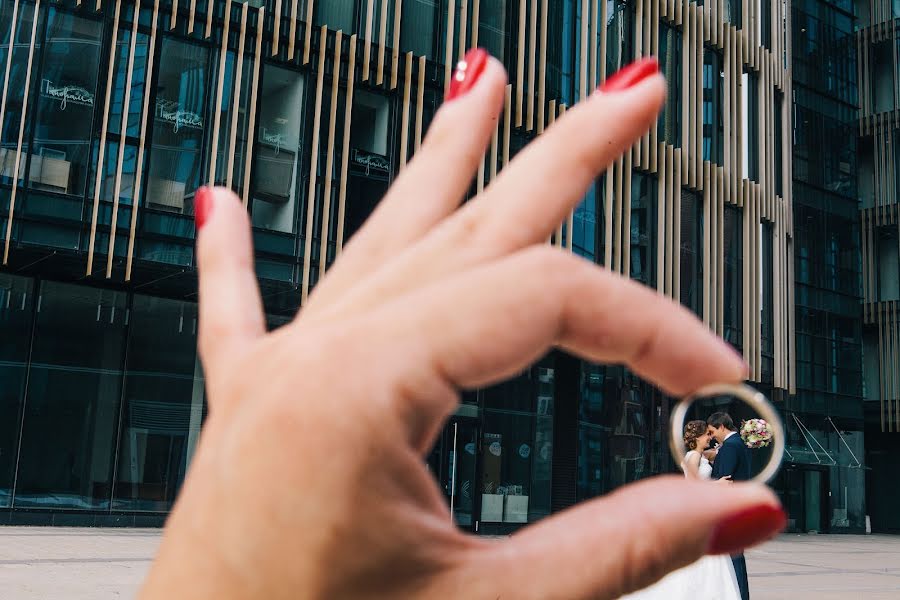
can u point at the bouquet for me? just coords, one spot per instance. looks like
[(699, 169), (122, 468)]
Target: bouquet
[(756, 433)]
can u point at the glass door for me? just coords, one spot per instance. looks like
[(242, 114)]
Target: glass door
[(454, 462)]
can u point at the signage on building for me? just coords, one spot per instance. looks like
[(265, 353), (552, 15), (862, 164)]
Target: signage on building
[(277, 140), (66, 94), (170, 112), (371, 162)]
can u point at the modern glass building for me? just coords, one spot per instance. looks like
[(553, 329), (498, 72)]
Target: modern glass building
[(877, 130), (114, 111)]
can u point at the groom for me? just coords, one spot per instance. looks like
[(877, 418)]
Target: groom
[(732, 460)]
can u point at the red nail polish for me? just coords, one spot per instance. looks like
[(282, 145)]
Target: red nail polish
[(203, 202), (467, 72), (746, 528), (631, 75)]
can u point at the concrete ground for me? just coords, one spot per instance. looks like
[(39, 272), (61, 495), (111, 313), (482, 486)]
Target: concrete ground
[(43, 563), (826, 567)]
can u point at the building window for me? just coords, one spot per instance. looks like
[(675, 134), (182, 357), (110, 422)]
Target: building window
[(670, 66), (619, 35), (15, 91), (276, 174), (733, 12), (493, 34), (16, 310), (643, 228), (71, 416), (419, 28), (713, 107), (778, 143), (733, 302), (341, 14), (65, 104), (888, 259), (750, 125), (767, 300), (163, 406), (692, 251), (370, 123), (179, 126)]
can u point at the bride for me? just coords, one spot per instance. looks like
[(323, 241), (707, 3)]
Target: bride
[(710, 577)]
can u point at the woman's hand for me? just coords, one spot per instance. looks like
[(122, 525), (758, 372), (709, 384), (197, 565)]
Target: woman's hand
[(310, 478), (726, 479)]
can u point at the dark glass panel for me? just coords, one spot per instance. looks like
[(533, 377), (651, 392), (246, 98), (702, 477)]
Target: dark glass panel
[(16, 90), (713, 106), (420, 26), (16, 309), (179, 126), (65, 104), (643, 228), (277, 186), (670, 48), (163, 406), (619, 35), (692, 251), (734, 280), (73, 397), (493, 34)]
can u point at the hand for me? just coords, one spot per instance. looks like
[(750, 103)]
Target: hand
[(726, 479), (310, 481)]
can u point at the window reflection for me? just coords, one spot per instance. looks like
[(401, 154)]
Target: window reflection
[(643, 228), (713, 107), (179, 126), (16, 305), (670, 66), (16, 89), (65, 104), (619, 35), (276, 159), (71, 416), (418, 27), (734, 268), (492, 32), (163, 406), (692, 251)]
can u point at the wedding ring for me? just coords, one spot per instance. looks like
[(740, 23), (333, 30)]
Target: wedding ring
[(753, 398)]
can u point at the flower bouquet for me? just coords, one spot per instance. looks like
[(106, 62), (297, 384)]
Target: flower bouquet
[(756, 433)]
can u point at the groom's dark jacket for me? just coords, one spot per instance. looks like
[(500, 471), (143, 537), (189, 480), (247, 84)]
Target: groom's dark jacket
[(733, 459)]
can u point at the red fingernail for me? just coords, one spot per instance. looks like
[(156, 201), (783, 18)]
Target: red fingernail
[(631, 75), (203, 203), (746, 528), (467, 72)]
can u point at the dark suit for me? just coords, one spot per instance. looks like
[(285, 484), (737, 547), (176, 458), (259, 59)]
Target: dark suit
[(734, 459)]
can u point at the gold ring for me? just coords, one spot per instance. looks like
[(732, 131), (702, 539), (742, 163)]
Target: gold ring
[(753, 398)]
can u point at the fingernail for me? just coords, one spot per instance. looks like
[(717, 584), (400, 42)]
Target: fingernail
[(203, 203), (631, 75), (737, 354), (467, 72), (746, 528)]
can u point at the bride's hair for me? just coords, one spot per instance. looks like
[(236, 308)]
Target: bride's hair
[(693, 430)]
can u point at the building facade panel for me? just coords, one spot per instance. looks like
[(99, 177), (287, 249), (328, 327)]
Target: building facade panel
[(308, 110)]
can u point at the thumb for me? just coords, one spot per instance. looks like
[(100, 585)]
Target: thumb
[(628, 540), (230, 308)]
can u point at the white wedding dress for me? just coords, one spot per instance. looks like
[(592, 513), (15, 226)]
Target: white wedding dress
[(711, 577)]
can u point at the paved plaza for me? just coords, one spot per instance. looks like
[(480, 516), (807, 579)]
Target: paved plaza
[(39, 563)]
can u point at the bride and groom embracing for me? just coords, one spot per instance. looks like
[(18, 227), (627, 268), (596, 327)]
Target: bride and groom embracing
[(712, 577)]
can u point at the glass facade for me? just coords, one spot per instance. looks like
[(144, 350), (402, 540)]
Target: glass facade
[(102, 393)]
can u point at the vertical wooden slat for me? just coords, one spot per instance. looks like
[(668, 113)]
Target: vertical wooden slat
[(542, 69), (382, 41), (276, 28), (448, 50), (307, 43), (661, 223), (345, 149), (463, 28), (520, 65), (507, 123), (395, 50), (173, 19), (595, 18), (404, 118), (217, 107), (101, 152), (210, 10), (126, 102), (367, 40), (476, 20), (236, 100), (313, 166), (583, 56), (329, 152), (420, 101), (254, 94), (532, 52), (142, 141), (192, 17)]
